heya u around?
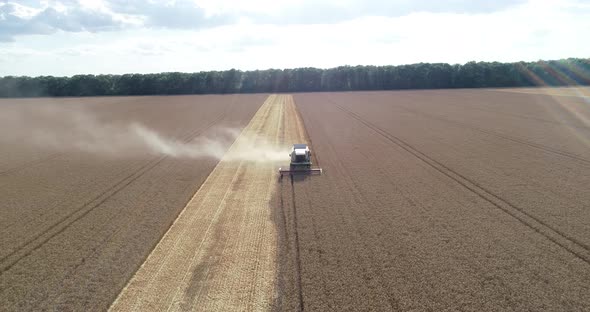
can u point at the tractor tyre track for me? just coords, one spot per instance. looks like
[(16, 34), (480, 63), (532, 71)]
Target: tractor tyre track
[(297, 246), (97, 249), (185, 137), (560, 238), (126, 175), (30, 164), (353, 188), (36, 242), (501, 135), (219, 254)]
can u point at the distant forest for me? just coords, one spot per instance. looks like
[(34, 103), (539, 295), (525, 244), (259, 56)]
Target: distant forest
[(345, 78)]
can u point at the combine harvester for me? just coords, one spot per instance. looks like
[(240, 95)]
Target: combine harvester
[(300, 162)]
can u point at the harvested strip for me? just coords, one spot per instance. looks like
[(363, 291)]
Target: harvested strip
[(220, 254)]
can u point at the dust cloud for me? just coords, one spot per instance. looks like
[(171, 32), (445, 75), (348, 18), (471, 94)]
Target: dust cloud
[(60, 129)]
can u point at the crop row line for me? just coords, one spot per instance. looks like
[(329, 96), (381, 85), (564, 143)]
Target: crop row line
[(502, 136), (560, 238), (65, 222), (30, 164)]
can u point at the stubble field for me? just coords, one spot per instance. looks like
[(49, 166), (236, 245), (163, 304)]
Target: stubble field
[(471, 200)]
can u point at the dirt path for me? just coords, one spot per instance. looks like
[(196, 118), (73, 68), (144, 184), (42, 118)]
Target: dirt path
[(220, 254)]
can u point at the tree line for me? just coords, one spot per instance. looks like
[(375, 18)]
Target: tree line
[(572, 71)]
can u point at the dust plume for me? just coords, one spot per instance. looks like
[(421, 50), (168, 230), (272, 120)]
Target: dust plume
[(67, 129)]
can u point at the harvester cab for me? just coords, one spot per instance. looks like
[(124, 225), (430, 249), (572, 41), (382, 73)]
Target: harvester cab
[(300, 155), (300, 161)]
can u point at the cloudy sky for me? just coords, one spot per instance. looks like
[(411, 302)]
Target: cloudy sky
[(69, 37)]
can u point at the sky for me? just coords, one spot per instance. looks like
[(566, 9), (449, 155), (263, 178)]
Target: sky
[(68, 37)]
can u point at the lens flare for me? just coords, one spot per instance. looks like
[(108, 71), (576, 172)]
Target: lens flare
[(571, 77)]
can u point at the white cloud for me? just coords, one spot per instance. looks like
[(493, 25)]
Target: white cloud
[(50, 17), (46, 17), (330, 11), (534, 30)]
